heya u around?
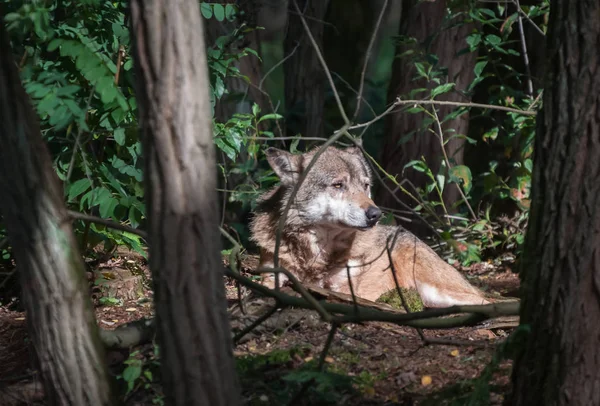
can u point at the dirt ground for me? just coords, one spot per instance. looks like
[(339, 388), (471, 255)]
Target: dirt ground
[(367, 364)]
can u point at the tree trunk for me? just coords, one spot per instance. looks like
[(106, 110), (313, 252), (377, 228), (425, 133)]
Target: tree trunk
[(559, 363), (305, 79), (424, 21), (59, 312), (193, 331)]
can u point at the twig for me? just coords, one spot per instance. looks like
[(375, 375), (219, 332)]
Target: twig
[(349, 86), (108, 223), (278, 64), (256, 323), (300, 289), (323, 64), (400, 102), (524, 49), (398, 289), (77, 138), (440, 134), (290, 138), (367, 57), (327, 346), (351, 288), (375, 167), (524, 14)]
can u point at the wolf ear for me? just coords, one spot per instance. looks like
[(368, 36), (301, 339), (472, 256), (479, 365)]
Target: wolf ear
[(285, 164)]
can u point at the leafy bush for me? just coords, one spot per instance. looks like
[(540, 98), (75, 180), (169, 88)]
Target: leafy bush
[(507, 177), (76, 65)]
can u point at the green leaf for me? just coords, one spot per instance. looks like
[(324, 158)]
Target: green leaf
[(441, 181), (270, 116), (219, 12), (131, 374), (255, 109), (462, 173), (77, 188), (294, 145), (417, 165), (473, 40), (119, 135), (230, 12), (206, 10), (54, 44), (487, 11), (493, 40), (107, 207), (421, 70), (479, 66), (445, 88)]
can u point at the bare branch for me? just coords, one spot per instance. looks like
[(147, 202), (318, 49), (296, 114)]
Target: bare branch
[(108, 223), (432, 318), (524, 49), (440, 134), (400, 102), (367, 57), (323, 64)]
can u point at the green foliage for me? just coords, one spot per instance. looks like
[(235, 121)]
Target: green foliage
[(76, 65), (140, 373), (507, 138), (275, 378)]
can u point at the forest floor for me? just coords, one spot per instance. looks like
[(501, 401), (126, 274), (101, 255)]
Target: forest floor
[(367, 364)]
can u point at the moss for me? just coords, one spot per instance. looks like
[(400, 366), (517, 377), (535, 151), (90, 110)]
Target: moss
[(413, 300)]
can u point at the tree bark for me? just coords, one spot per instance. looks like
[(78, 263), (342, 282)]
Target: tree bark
[(423, 21), (304, 76), (559, 363), (60, 319), (193, 331)]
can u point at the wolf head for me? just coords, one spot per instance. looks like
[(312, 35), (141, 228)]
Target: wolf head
[(336, 191)]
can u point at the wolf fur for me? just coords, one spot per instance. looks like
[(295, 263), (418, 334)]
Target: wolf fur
[(331, 232)]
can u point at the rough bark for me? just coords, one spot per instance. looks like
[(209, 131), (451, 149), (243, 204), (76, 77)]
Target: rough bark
[(304, 77), (60, 319), (192, 326), (424, 21), (559, 363)]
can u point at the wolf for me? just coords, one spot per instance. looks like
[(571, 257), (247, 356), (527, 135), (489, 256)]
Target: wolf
[(332, 237)]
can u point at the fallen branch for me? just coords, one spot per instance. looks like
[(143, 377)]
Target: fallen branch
[(431, 319)]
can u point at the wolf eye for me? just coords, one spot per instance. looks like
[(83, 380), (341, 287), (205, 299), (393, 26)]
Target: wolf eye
[(337, 185)]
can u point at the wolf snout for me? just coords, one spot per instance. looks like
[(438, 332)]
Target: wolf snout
[(373, 214)]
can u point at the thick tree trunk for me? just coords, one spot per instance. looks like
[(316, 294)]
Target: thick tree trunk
[(193, 331), (559, 363), (424, 21), (59, 312), (304, 76)]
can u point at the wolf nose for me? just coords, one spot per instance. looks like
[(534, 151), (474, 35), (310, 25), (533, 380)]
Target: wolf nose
[(373, 214)]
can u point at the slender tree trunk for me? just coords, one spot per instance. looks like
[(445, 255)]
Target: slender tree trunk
[(61, 322), (424, 21), (304, 77), (193, 331), (559, 363)]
